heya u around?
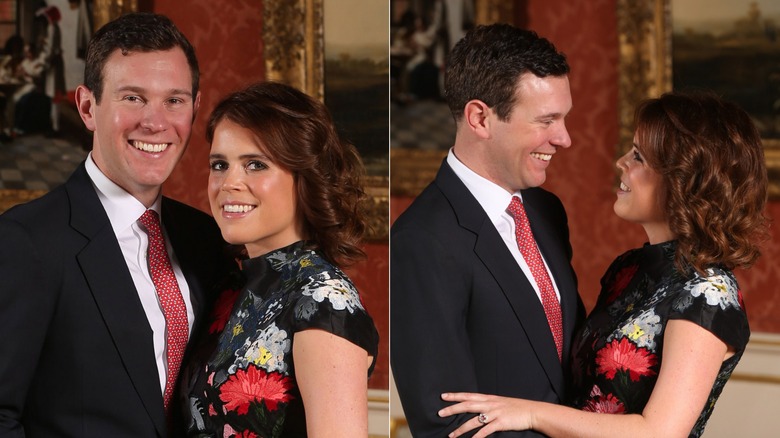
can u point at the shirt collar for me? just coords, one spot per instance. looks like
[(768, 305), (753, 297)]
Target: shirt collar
[(492, 197), (122, 208)]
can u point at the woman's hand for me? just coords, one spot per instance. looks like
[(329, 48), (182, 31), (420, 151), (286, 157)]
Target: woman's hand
[(494, 413)]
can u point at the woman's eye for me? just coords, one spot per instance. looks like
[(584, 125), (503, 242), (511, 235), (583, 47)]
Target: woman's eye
[(217, 165), (638, 157), (255, 165)]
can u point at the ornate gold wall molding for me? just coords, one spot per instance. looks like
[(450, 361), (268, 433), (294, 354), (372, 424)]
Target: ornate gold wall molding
[(293, 43), (104, 11), (645, 64), (494, 11)]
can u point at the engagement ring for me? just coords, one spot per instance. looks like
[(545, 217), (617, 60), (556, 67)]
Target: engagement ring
[(482, 418)]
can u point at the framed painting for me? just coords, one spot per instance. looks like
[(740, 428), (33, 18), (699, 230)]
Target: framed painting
[(43, 138), (315, 45), (422, 128), (729, 47)]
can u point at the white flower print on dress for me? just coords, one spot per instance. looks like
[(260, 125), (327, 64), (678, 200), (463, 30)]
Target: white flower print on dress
[(268, 349), (642, 330), (719, 290), (341, 294)]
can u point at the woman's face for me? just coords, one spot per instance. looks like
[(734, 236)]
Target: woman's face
[(252, 199), (640, 196)]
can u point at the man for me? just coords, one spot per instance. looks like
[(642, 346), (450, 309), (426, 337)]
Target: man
[(470, 310), (89, 348)]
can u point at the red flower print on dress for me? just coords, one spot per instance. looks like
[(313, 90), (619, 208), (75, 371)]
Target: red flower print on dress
[(606, 404), (222, 310), (621, 281), (623, 355), (255, 385)]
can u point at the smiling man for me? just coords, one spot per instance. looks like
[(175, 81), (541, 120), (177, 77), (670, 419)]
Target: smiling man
[(481, 300), (103, 278)]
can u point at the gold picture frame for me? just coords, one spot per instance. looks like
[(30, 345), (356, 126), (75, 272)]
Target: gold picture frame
[(294, 48), (104, 11), (645, 70), (413, 169)]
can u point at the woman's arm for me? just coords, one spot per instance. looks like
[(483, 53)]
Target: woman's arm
[(692, 357), (331, 375)]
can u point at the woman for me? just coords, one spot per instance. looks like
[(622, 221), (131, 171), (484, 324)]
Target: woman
[(695, 179), (294, 355)]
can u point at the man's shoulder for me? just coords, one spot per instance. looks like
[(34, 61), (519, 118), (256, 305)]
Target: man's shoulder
[(51, 207), (187, 220), (181, 209), (539, 194), (430, 207), (544, 200), (187, 225)]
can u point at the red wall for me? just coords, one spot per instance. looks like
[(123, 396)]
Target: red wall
[(584, 175), (227, 39)]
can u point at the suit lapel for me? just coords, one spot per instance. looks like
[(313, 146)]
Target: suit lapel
[(184, 255), (112, 287), (492, 251), (518, 291)]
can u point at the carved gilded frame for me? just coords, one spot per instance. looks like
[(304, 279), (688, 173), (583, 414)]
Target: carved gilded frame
[(645, 36), (413, 169), (294, 49), (104, 11)]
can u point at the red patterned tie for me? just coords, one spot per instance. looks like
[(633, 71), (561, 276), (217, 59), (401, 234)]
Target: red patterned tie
[(527, 245), (174, 309)]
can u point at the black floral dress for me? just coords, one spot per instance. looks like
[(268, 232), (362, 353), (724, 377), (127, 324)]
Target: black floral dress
[(242, 382), (618, 352)]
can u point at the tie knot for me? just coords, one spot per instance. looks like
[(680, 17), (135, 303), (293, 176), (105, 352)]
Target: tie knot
[(150, 220), (515, 208)]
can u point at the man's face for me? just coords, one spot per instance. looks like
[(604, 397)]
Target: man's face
[(144, 119), (521, 148)]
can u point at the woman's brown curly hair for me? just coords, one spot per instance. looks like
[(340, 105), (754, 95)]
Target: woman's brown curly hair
[(711, 160), (298, 133)]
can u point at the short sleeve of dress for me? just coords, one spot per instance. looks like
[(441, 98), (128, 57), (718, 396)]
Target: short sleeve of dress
[(715, 303), (330, 302)]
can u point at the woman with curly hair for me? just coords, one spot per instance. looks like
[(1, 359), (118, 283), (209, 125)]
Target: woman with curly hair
[(290, 347), (669, 325)]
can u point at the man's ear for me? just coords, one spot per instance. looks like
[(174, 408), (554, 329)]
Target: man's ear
[(86, 104), (475, 116)]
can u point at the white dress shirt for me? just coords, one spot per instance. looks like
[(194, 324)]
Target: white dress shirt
[(123, 211), (495, 201)]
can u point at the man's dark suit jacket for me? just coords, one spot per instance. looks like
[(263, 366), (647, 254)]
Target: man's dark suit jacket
[(76, 358), (463, 315)]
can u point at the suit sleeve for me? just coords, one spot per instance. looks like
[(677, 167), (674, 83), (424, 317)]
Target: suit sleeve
[(25, 307), (430, 353)]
